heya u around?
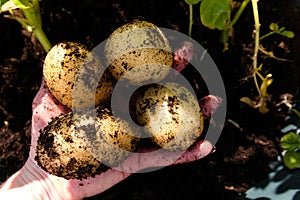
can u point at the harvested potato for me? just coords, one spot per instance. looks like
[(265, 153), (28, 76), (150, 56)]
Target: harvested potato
[(170, 114), (73, 75), (77, 146), (138, 52)]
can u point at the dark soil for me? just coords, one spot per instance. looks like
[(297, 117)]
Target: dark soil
[(249, 140)]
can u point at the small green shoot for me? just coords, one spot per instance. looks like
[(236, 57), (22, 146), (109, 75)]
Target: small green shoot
[(32, 17), (262, 88), (275, 29), (216, 14), (262, 82), (191, 19), (291, 143), (261, 102)]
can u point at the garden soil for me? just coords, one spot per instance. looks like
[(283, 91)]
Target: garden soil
[(249, 140)]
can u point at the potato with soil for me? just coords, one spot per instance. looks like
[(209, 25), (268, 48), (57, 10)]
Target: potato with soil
[(75, 76), (138, 52), (77, 146), (171, 114)]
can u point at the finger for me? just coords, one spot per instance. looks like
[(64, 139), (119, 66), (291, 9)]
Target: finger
[(209, 105), (200, 150), (161, 158), (183, 56)]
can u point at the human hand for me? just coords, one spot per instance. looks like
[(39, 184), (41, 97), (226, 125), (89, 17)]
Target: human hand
[(31, 182)]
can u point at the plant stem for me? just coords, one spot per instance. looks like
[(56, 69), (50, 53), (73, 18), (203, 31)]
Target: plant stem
[(33, 16), (239, 12), (256, 44), (267, 35), (296, 112), (227, 27), (257, 25), (190, 19), (40, 35), (32, 21)]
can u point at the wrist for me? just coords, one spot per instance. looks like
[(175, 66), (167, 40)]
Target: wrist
[(31, 182)]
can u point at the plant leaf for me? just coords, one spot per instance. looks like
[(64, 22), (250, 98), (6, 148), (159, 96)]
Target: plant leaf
[(267, 81), (13, 4), (8, 5), (192, 2), (274, 27), (263, 107), (288, 34), (292, 159), (22, 4), (215, 13), (248, 101), (290, 141)]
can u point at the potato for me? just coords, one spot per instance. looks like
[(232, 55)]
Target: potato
[(138, 52), (170, 114), (76, 146), (68, 62)]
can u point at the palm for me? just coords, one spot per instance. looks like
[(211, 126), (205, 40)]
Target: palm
[(46, 107)]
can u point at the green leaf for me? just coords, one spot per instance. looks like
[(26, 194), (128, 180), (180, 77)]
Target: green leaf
[(290, 141), (215, 13), (266, 82), (292, 159), (288, 34), (22, 4), (274, 27), (14, 4), (192, 2)]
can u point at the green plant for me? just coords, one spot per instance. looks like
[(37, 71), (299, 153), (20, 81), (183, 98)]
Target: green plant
[(261, 102), (291, 143), (216, 14), (265, 81), (30, 17)]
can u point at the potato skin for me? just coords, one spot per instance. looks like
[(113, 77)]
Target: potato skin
[(138, 51), (171, 115), (77, 146), (68, 62)]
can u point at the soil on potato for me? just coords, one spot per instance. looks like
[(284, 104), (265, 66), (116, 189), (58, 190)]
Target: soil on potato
[(249, 140)]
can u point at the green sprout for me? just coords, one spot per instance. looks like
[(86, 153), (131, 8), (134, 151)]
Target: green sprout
[(31, 20), (265, 82), (261, 102), (191, 20), (275, 29), (291, 143), (216, 14)]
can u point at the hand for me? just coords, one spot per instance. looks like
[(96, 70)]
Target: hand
[(31, 182)]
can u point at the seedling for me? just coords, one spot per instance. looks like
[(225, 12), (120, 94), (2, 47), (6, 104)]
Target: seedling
[(291, 144), (31, 19), (275, 29), (261, 102), (216, 14)]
